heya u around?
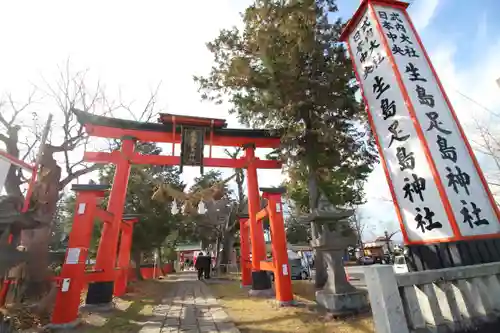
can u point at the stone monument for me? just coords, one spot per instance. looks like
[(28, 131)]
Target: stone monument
[(331, 235)]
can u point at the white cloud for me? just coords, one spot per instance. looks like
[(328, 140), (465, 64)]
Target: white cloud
[(422, 12)]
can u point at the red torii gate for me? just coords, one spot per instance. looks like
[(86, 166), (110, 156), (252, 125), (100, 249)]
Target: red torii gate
[(191, 133), (74, 275), (279, 263)]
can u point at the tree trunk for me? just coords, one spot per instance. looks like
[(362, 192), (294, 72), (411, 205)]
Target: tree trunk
[(136, 255), (319, 264), (217, 250), (227, 248), (43, 207), (160, 261)]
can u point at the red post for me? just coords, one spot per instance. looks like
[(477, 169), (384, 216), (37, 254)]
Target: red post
[(246, 272), (73, 271), (120, 287), (106, 254), (5, 289), (256, 229), (282, 277)]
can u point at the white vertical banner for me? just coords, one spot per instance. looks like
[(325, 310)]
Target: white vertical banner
[(468, 195), (439, 191), (4, 169), (410, 178)]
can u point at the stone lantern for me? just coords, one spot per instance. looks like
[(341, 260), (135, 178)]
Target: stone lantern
[(331, 235)]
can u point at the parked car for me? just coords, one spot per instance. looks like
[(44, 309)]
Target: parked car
[(366, 260), (298, 270), (400, 265), (298, 273)]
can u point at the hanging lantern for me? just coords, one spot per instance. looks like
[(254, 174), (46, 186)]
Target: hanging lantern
[(201, 208), (174, 210)]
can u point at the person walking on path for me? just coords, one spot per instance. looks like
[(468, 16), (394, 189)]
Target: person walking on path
[(198, 264)]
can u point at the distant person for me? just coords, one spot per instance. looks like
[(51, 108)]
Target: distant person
[(199, 265)]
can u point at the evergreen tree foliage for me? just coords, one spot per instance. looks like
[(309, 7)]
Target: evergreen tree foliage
[(156, 221), (287, 71)]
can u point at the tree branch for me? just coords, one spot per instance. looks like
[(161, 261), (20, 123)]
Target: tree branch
[(77, 174), (3, 138)]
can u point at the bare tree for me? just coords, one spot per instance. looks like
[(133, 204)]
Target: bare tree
[(62, 158), (230, 228), (359, 225), (488, 144)]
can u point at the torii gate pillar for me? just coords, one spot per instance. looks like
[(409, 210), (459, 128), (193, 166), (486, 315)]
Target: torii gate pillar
[(260, 278)]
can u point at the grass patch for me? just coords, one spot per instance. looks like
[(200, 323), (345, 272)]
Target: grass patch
[(253, 315)]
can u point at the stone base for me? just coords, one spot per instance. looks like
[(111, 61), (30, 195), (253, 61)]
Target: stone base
[(265, 293), (286, 304), (343, 304), (67, 326), (100, 293), (261, 280), (105, 307)]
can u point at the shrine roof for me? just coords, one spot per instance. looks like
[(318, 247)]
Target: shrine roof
[(86, 118), (168, 118)]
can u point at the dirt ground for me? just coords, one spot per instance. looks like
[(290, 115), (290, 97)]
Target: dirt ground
[(252, 315), (127, 317)]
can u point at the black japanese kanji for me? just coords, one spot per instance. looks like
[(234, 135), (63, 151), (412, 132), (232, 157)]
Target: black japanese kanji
[(357, 36), (379, 87), (410, 52), (468, 218), (459, 179), (426, 222), (359, 47), (377, 58), (423, 97), (382, 15), (435, 123), (405, 39), (388, 109), (407, 51), (392, 36), (400, 27), (395, 17), (447, 152), (373, 45), (393, 129), (405, 160), (387, 25), (396, 49), (414, 187), (368, 34), (367, 69), (414, 74), (366, 24), (363, 56)]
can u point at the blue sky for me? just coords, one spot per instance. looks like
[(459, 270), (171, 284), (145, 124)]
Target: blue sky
[(131, 46)]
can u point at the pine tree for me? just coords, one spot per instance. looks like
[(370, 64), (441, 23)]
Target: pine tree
[(288, 71)]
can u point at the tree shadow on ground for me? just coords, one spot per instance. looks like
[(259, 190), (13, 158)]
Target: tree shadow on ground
[(131, 312)]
